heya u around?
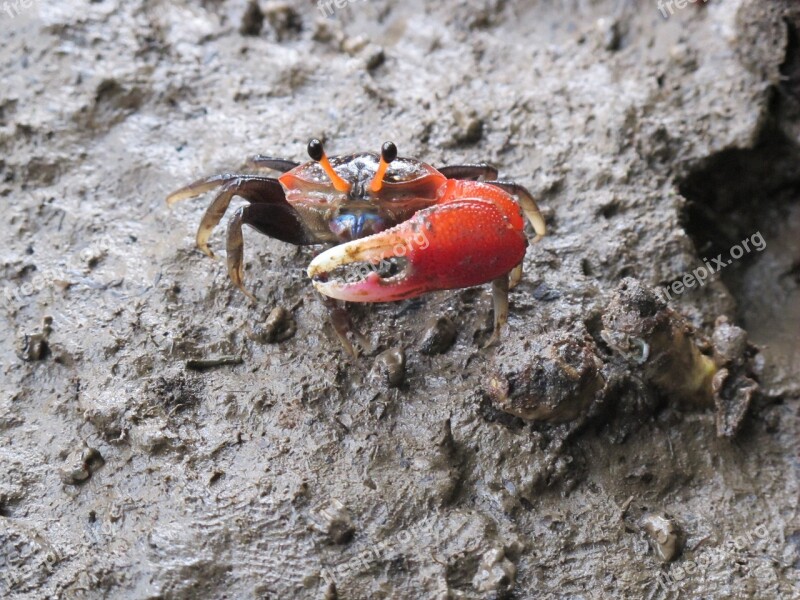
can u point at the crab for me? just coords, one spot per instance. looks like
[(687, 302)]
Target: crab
[(401, 227)]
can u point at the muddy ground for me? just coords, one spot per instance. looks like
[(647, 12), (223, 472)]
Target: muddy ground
[(293, 471)]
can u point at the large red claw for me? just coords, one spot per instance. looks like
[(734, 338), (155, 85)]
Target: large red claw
[(474, 235)]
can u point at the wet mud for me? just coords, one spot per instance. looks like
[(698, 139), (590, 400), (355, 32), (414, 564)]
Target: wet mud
[(163, 436)]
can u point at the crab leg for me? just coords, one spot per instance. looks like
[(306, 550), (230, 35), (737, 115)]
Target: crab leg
[(515, 276), (472, 172), (269, 213), (528, 204), (342, 325), (278, 221), (259, 161), (500, 299)]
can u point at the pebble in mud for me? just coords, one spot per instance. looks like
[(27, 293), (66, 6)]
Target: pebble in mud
[(734, 385), (279, 326), (440, 333), (609, 32), (390, 366), (80, 465), (495, 574), (283, 19), (730, 342), (34, 346), (664, 535), (334, 520), (469, 129)]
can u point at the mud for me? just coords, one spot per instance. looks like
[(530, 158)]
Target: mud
[(164, 437)]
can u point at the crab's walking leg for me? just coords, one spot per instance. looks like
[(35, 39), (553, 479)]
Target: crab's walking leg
[(279, 221), (235, 249), (342, 325), (268, 212), (500, 298), (253, 188), (470, 172), (515, 276), (282, 165), (528, 204), (201, 186)]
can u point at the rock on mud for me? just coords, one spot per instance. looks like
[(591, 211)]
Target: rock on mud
[(80, 465), (552, 377), (390, 367), (439, 336), (664, 534), (334, 521)]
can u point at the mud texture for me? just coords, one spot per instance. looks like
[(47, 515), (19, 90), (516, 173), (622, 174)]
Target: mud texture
[(164, 437)]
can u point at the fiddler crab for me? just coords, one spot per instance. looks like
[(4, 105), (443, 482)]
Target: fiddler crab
[(402, 227)]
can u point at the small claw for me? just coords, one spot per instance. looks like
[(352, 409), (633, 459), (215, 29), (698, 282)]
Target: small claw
[(462, 243)]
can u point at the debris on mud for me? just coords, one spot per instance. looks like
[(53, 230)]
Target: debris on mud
[(203, 364), (664, 534), (390, 367), (658, 342), (495, 574), (661, 344), (735, 383), (278, 327), (252, 20), (80, 464), (334, 521), (35, 346)]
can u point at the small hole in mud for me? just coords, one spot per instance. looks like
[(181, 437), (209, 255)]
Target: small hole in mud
[(609, 210), (743, 212)]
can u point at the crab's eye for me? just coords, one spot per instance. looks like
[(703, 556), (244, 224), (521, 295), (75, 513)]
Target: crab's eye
[(388, 154), (315, 150), (317, 153), (352, 226)]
